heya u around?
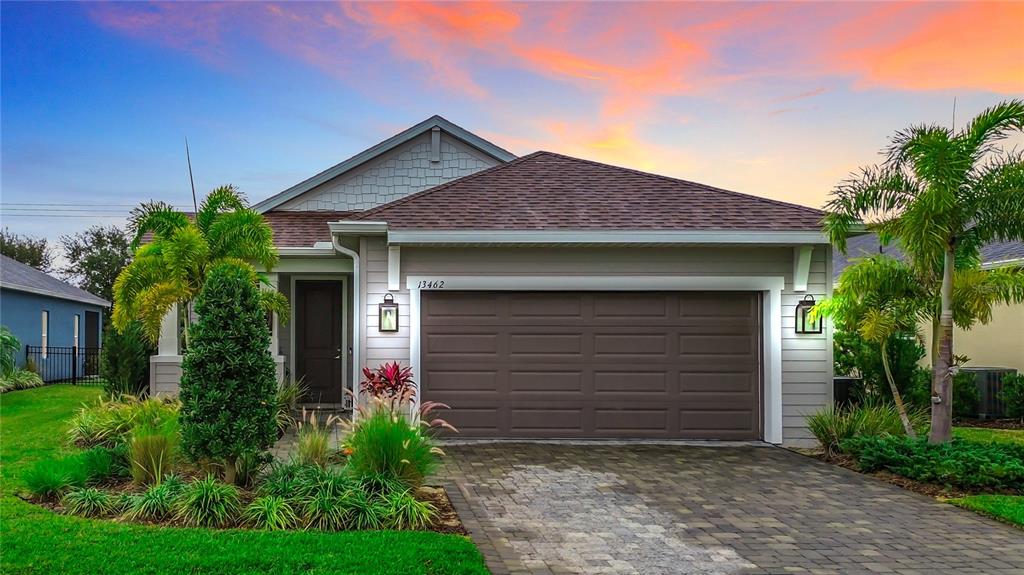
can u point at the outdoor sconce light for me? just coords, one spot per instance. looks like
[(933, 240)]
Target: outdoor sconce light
[(804, 323), (387, 314)]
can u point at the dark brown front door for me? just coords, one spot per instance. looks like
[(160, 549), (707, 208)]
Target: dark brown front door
[(318, 335), (595, 364)]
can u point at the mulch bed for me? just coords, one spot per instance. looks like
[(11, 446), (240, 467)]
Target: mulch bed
[(446, 522), (990, 423), (929, 489)]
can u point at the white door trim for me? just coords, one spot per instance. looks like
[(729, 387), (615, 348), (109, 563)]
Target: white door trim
[(770, 286), (344, 321)]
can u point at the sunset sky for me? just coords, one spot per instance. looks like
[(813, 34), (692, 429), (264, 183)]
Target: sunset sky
[(774, 99)]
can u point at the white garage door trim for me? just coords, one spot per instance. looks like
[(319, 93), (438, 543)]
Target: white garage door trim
[(770, 286)]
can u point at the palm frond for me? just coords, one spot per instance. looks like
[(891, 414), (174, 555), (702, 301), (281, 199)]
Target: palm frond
[(158, 218), (156, 301), (876, 193), (145, 270), (990, 126), (998, 199), (273, 301), (243, 234), (220, 200), (186, 254)]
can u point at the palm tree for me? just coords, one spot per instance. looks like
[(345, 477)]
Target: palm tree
[(171, 268), (941, 194)]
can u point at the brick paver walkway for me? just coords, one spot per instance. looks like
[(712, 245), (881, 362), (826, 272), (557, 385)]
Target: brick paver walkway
[(650, 509)]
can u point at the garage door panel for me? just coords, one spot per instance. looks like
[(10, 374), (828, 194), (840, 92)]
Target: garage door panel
[(612, 382), (557, 364), (545, 382)]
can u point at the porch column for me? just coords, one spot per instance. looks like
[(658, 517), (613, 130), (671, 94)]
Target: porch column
[(275, 350), (165, 366)]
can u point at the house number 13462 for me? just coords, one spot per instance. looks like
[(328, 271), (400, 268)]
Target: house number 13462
[(428, 284)]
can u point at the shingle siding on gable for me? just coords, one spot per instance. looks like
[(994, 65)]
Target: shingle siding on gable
[(394, 175)]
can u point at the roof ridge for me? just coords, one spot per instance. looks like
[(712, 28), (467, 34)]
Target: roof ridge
[(372, 211), (677, 180)]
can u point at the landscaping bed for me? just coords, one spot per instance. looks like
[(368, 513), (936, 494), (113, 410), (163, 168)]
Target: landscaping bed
[(33, 424)]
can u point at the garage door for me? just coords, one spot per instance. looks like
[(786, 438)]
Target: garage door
[(594, 364)]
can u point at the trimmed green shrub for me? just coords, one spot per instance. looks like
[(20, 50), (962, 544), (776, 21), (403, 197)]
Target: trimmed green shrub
[(385, 443), (958, 463), (207, 502), (855, 357), (124, 360), (270, 512), (52, 477), (1013, 394), (89, 502), (228, 383), (832, 425), (965, 393), (403, 511)]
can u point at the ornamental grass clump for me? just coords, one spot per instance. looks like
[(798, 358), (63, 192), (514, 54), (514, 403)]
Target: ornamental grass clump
[(832, 425), (155, 503), (152, 452), (88, 502), (110, 423), (207, 502), (387, 442), (271, 512), (51, 478), (313, 446), (403, 511)]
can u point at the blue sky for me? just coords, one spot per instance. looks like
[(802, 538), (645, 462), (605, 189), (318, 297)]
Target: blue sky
[(779, 100)]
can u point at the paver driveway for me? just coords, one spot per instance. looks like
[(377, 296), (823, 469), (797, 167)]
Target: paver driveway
[(648, 509)]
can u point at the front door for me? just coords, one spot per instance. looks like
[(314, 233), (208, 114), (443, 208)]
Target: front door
[(318, 339)]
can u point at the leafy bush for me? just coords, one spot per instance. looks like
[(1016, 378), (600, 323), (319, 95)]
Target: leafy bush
[(207, 503), (832, 425), (152, 451), (289, 392), (388, 381), (124, 360), (156, 502), (229, 381), (855, 357), (9, 349), (88, 502), (270, 512), (965, 393), (52, 477), (110, 422), (20, 379), (1013, 394), (958, 463), (314, 440), (403, 511)]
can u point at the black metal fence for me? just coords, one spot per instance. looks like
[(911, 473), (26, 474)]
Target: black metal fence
[(65, 364)]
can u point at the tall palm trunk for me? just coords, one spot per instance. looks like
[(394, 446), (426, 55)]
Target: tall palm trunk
[(896, 397), (942, 362)]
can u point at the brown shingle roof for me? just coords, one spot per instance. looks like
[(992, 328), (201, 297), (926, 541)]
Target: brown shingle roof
[(548, 191), (303, 229)]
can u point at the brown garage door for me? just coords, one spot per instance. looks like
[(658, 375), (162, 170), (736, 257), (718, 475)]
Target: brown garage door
[(594, 364)]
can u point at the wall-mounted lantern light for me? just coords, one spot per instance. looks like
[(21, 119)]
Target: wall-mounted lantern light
[(804, 322), (387, 314)]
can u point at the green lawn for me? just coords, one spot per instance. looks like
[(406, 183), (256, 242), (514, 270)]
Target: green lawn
[(38, 541), (985, 435), (1009, 508)]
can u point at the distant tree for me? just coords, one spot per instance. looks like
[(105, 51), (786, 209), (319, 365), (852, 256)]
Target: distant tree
[(94, 259), (26, 249)]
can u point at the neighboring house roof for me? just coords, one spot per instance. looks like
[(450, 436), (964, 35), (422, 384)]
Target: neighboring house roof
[(993, 254), (548, 191), (17, 276), (381, 148)]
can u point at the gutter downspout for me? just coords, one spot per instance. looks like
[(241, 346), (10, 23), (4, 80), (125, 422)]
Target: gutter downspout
[(357, 316)]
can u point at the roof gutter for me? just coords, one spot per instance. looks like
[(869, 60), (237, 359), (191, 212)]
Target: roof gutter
[(540, 237)]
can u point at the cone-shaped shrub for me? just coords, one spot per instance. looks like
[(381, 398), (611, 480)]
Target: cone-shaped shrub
[(228, 376)]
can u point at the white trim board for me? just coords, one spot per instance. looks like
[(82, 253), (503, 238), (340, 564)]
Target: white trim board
[(344, 279), (770, 286)]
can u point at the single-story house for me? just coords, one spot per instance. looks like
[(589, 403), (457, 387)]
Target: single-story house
[(997, 344), (56, 318), (546, 296)]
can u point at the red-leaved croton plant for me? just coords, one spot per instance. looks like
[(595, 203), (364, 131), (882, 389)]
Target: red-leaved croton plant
[(389, 381)]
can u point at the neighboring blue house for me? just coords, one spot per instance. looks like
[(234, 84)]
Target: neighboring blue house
[(45, 312)]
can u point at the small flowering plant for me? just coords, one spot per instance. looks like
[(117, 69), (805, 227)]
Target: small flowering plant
[(389, 381)]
